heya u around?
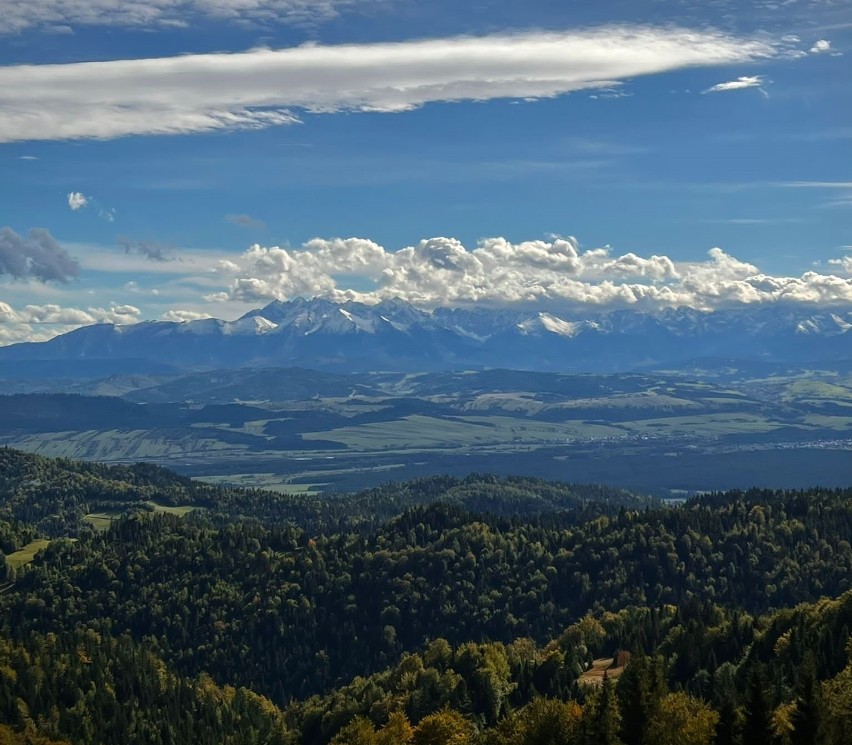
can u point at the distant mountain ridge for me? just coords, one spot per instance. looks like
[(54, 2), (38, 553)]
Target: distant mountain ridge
[(396, 336)]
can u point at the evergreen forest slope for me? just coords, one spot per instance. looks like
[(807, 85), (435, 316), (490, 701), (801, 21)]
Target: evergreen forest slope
[(441, 611)]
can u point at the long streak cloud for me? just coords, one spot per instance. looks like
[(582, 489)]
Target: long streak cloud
[(262, 88)]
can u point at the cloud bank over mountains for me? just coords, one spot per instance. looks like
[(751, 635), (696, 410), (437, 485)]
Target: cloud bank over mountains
[(263, 87), (539, 274), (555, 275), (42, 322)]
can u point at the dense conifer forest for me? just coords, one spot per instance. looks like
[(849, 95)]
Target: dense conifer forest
[(479, 611)]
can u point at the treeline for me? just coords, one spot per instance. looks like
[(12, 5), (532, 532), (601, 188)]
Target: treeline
[(53, 495), (441, 611)]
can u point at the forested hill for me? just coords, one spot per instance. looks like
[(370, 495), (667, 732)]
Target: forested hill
[(479, 611), (243, 602), (781, 679), (54, 495)]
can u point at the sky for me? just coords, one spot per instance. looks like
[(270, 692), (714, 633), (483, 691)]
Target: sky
[(179, 159)]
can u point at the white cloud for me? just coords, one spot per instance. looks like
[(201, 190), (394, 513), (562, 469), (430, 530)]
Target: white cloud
[(42, 322), (816, 184), (555, 274), (77, 201), (58, 15), (536, 274), (821, 47), (259, 88), (845, 264), (134, 288), (183, 315), (842, 200), (745, 81)]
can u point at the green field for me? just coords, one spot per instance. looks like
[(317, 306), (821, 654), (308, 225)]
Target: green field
[(101, 520), (270, 481), (180, 510), (119, 445), (399, 426), (26, 554), (423, 432)]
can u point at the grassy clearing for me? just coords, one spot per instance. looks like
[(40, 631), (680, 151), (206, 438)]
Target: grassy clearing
[(632, 401), (476, 432), (595, 674), (26, 554), (118, 445), (836, 423), (705, 424), (180, 511), (811, 389), (101, 520), (271, 481), (423, 432)]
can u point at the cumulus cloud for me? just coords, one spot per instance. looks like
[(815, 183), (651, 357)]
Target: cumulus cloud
[(42, 322), (77, 201), (149, 249), (821, 47), (261, 88), (246, 221), (56, 314), (182, 316), (844, 264), (538, 274), (37, 256), (134, 287), (61, 15), (745, 81)]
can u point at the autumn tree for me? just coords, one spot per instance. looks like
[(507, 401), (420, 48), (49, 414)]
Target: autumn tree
[(446, 727), (681, 719)]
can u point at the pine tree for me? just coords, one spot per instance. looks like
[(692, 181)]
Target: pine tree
[(604, 718), (757, 727), (640, 689), (806, 715), (727, 730)]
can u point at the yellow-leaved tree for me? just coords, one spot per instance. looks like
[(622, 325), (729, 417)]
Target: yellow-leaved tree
[(446, 727), (681, 719)]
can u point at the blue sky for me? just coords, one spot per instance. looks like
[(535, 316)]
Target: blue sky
[(659, 130)]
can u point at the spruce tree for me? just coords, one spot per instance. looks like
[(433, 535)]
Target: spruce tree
[(806, 715), (757, 727)]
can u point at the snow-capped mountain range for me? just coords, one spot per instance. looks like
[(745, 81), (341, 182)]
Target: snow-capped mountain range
[(394, 335)]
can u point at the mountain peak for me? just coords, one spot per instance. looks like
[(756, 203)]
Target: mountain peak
[(395, 335), (551, 324)]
